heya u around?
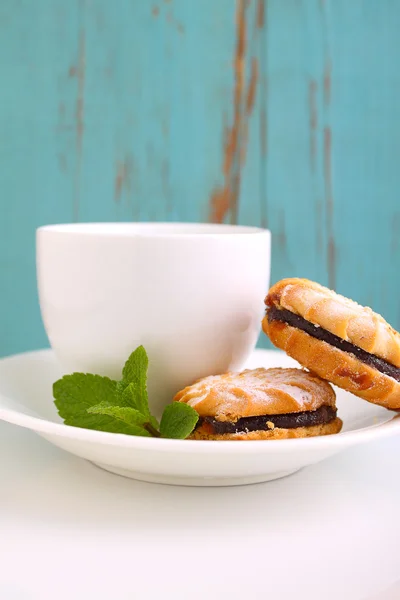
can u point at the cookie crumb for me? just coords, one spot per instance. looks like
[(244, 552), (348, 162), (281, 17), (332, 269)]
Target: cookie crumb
[(270, 425)]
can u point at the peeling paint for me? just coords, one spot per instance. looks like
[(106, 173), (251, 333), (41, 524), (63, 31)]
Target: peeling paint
[(224, 199), (260, 13), (233, 134), (251, 92), (171, 19), (329, 205), (123, 176), (220, 203), (313, 117), (78, 71), (327, 82)]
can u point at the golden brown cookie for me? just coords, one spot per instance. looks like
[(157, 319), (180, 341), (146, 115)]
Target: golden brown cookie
[(277, 433), (336, 338), (262, 404)]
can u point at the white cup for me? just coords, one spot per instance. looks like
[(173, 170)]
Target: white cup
[(192, 294)]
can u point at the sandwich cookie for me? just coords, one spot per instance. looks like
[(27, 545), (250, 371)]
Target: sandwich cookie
[(262, 404), (337, 339)]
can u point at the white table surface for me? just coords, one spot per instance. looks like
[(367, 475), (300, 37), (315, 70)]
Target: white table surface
[(69, 530)]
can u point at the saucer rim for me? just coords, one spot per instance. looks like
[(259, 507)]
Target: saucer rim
[(46, 427)]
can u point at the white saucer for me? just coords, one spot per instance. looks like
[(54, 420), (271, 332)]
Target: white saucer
[(26, 400)]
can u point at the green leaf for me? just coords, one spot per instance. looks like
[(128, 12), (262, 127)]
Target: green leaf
[(178, 421), (124, 418), (136, 366), (133, 387), (121, 387), (75, 393), (95, 402), (127, 396)]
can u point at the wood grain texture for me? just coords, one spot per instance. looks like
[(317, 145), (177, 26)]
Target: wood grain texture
[(281, 114)]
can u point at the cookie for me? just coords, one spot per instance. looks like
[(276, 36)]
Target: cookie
[(262, 404), (337, 339)]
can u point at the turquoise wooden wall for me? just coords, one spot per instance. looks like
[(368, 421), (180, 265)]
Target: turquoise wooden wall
[(280, 113)]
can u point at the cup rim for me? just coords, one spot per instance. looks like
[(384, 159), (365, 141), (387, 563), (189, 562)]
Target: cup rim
[(151, 229)]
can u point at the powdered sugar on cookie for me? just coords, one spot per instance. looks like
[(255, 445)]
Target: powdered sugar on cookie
[(257, 392)]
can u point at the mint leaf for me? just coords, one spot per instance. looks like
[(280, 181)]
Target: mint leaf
[(75, 393), (124, 418), (121, 399), (133, 387), (129, 397), (178, 421)]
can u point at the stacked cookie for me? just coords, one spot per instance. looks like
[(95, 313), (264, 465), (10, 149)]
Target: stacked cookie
[(337, 340)]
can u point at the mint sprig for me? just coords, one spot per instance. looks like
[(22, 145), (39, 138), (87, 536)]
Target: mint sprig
[(95, 402)]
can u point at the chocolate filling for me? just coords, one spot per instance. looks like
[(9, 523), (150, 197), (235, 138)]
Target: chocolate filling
[(286, 316), (324, 414)]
